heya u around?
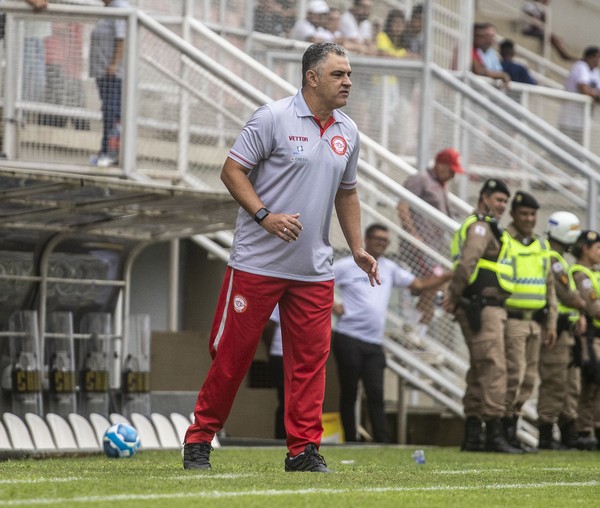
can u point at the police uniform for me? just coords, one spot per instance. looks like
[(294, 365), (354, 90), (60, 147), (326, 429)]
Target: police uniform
[(559, 377), (531, 311), (483, 277), (588, 284)]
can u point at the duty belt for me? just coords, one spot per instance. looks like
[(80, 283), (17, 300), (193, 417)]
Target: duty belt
[(525, 315), (491, 302)]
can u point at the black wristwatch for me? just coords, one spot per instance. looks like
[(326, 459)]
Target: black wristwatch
[(261, 215)]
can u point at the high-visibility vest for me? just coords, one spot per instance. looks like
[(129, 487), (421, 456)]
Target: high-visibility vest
[(532, 266), (593, 276), (563, 309), (501, 267)]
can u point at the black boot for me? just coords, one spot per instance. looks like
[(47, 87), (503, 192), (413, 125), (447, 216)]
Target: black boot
[(510, 431), (474, 439), (495, 440), (568, 434), (546, 439), (586, 441)]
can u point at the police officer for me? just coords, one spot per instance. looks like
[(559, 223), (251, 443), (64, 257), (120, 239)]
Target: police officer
[(531, 309), (559, 383), (587, 253), (481, 283)]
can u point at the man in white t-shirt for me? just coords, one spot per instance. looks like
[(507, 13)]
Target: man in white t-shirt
[(357, 340), (293, 161), (584, 78), (356, 27), (313, 28)]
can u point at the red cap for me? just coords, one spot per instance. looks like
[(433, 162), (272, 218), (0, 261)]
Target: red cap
[(452, 157)]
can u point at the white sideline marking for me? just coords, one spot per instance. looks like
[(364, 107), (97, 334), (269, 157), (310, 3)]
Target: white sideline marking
[(496, 470), (41, 480), (267, 493)]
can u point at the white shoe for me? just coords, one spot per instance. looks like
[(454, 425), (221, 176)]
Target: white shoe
[(102, 161)]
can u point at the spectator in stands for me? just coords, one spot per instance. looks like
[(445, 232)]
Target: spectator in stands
[(357, 341), (431, 186), (272, 338), (535, 25), (313, 27), (357, 28), (334, 23), (34, 55), (389, 40), (517, 72), (64, 59), (485, 60), (584, 78), (106, 66), (274, 17), (412, 37)]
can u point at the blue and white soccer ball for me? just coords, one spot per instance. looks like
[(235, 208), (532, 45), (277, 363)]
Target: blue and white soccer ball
[(121, 441)]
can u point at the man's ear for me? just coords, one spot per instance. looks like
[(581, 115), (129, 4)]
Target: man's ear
[(311, 78)]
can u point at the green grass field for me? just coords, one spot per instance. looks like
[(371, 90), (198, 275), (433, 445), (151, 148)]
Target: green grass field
[(369, 476)]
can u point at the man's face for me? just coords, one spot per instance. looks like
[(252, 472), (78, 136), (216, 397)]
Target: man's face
[(524, 219), (333, 82), (443, 172), (594, 60), (376, 242), (489, 35), (363, 10), (592, 253), (496, 203)]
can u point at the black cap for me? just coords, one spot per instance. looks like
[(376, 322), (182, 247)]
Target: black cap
[(524, 199), (492, 185), (586, 237)]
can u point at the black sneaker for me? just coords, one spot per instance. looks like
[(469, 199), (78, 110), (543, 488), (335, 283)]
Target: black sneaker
[(309, 460), (196, 455)]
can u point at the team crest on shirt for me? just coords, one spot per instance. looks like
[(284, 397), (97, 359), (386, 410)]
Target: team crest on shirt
[(339, 145), (240, 304)]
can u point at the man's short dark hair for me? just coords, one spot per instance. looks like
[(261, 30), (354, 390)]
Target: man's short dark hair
[(315, 55), (507, 47), (590, 51), (375, 227), (417, 10)]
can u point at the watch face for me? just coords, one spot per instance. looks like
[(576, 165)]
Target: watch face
[(261, 214)]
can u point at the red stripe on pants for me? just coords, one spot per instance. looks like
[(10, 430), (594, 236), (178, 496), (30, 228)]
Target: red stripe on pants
[(245, 304)]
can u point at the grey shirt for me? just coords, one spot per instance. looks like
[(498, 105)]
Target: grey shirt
[(294, 168), (103, 40)]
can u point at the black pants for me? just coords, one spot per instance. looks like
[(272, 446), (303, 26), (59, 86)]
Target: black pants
[(109, 89), (358, 360)]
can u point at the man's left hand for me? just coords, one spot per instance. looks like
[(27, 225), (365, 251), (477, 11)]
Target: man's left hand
[(550, 339)]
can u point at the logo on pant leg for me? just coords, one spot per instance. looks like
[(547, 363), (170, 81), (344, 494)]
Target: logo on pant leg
[(239, 304)]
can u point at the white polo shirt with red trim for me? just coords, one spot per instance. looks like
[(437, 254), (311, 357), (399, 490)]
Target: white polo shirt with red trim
[(295, 167)]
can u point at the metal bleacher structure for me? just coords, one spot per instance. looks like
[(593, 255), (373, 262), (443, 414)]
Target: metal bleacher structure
[(194, 73)]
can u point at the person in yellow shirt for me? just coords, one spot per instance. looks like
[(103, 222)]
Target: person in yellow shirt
[(389, 39)]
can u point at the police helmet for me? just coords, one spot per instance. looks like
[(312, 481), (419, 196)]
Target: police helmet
[(564, 227)]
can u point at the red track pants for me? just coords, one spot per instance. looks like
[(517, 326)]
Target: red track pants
[(245, 304)]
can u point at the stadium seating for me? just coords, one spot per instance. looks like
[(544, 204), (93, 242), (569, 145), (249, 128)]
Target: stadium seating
[(4, 441), (148, 437), (55, 434), (84, 432), (18, 433), (61, 432)]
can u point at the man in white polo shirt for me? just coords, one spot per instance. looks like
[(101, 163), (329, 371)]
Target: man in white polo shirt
[(357, 340), (293, 161)]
